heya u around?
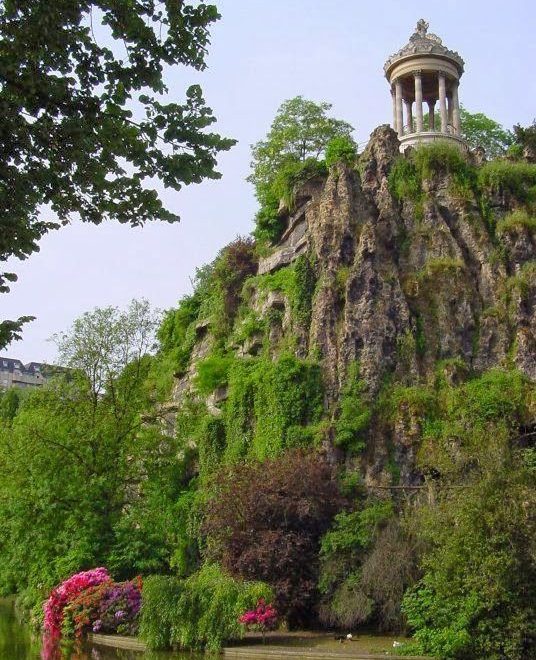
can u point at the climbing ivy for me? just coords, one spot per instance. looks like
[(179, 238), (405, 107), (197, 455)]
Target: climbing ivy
[(297, 282), (355, 413), (271, 406)]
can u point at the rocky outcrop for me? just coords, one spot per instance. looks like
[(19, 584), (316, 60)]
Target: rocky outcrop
[(399, 289)]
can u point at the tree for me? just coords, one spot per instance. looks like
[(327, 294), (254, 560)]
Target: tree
[(265, 520), (475, 599), (84, 126), (481, 131), (301, 130), (69, 458), (525, 140)]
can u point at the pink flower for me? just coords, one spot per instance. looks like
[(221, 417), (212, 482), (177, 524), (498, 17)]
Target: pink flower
[(263, 617), (65, 592)]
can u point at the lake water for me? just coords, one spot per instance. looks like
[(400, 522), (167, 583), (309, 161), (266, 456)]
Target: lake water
[(16, 643)]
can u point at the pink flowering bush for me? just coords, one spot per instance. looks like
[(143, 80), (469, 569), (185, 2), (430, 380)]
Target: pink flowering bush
[(66, 592), (110, 607), (263, 617)]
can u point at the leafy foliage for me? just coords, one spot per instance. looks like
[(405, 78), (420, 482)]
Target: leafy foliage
[(298, 282), (76, 111), (66, 457), (355, 413), (474, 599), (271, 405), (213, 372), (301, 130), (368, 559), (341, 149), (200, 612), (516, 180), (516, 221), (265, 521), (478, 130), (525, 138), (426, 162), (296, 141), (159, 610)]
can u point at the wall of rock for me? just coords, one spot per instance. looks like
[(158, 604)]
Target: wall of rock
[(397, 290)]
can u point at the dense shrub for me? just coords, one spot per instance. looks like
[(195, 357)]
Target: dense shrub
[(478, 533), (341, 149), (514, 179), (109, 607), (265, 520), (516, 221), (213, 372), (159, 610), (284, 186), (297, 282), (200, 612), (426, 162), (355, 582), (474, 600)]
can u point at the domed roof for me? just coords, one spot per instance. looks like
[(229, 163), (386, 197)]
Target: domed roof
[(422, 42)]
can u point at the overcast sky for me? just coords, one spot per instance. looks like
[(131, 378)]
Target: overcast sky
[(263, 52)]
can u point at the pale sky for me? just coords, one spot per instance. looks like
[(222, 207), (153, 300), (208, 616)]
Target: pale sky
[(263, 52)]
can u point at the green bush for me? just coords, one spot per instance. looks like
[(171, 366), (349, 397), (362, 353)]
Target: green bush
[(292, 174), (269, 225), (200, 612), (443, 158), (209, 607), (213, 372), (297, 282), (425, 162), (518, 219), (159, 610), (346, 600), (517, 179), (211, 444), (341, 149), (474, 600), (405, 181)]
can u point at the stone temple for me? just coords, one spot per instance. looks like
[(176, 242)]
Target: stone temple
[(425, 70)]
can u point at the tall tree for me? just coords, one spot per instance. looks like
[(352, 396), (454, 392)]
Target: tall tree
[(68, 463), (481, 131), (265, 520), (301, 129), (84, 124)]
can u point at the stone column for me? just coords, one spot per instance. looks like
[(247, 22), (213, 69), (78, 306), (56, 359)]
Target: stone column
[(409, 116), (431, 115), (443, 101), (418, 100), (394, 107), (456, 108), (399, 112)]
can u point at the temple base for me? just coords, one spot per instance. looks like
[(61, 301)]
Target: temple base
[(430, 137)]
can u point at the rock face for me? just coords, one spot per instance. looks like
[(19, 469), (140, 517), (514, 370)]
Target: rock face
[(387, 277), (397, 290)]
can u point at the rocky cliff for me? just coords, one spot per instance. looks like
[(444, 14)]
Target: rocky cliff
[(435, 274)]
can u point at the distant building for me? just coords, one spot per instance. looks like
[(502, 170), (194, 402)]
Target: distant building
[(13, 373)]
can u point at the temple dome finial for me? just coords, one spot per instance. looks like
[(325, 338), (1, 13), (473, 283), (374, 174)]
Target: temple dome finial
[(422, 27)]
